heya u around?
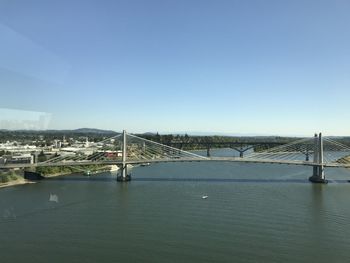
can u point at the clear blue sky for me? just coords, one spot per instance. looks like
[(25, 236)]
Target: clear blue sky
[(238, 66)]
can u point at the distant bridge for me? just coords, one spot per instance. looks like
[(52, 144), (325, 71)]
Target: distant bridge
[(240, 146), (316, 151)]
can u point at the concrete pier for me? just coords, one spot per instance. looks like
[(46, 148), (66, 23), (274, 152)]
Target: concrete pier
[(318, 175), (124, 176)]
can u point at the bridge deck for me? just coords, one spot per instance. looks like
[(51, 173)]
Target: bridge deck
[(212, 159)]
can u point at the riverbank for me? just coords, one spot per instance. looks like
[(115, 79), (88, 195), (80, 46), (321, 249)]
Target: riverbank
[(12, 178), (343, 160), (19, 181), (54, 171), (61, 174)]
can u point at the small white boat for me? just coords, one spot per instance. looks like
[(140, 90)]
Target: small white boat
[(145, 164), (53, 198), (204, 196)]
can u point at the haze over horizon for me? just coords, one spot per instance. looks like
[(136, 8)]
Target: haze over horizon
[(174, 132), (225, 67)]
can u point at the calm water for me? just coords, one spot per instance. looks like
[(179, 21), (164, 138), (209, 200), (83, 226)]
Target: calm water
[(254, 213)]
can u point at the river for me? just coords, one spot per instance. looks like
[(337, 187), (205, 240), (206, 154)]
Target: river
[(253, 213)]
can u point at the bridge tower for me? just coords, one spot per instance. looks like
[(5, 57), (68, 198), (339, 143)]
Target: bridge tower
[(318, 175), (124, 176)]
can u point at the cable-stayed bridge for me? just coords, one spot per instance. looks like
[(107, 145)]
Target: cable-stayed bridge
[(125, 149)]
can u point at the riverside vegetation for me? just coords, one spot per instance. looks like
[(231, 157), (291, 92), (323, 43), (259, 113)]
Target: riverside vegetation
[(9, 176), (62, 170)]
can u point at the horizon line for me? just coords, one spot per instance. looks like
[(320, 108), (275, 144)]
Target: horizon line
[(190, 133)]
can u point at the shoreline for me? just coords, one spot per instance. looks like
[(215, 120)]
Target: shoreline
[(15, 182), (22, 181), (98, 171), (59, 174)]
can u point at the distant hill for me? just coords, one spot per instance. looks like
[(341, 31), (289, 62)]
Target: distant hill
[(80, 130), (92, 130), (149, 133)]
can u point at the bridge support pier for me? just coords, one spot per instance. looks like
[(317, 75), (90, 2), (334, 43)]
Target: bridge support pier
[(307, 157), (124, 176), (242, 150), (318, 175), (208, 150)]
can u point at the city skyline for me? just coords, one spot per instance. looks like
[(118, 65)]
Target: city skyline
[(233, 67)]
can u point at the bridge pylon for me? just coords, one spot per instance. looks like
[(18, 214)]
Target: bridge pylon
[(124, 176), (318, 175)]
